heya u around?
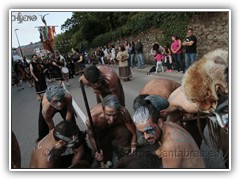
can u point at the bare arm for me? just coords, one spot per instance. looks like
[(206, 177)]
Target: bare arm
[(171, 108), (98, 156), (172, 49), (70, 109), (78, 154), (132, 128), (84, 80), (48, 119), (180, 45), (80, 60), (184, 43), (32, 73), (190, 43), (55, 64), (90, 135)]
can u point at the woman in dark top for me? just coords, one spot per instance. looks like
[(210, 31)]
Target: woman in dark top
[(132, 54), (36, 69), (57, 64)]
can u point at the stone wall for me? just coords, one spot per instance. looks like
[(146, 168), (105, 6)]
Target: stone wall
[(148, 38), (210, 28)]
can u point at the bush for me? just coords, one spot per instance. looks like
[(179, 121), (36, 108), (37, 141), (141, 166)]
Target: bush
[(169, 22)]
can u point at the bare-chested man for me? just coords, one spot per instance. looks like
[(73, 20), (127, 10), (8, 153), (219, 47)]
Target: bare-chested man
[(104, 81), (112, 122), (48, 153), (177, 148), (54, 100)]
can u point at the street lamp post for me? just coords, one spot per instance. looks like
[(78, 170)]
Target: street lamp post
[(19, 43)]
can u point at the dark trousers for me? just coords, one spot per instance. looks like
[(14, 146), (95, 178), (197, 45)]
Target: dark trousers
[(168, 64), (43, 129)]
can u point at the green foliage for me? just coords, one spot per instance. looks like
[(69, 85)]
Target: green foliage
[(169, 22), (173, 23), (100, 28), (62, 43), (92, 28)]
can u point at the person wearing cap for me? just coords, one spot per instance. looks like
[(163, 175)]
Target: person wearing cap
[(104, 81), (48, 153), (55, 99), (112, 123), (177, 148)]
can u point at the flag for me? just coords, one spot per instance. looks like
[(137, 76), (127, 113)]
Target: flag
[(43, 34), (47, 36), (48, 46), (51, 30), (50, 37), (40, 33), (46, 32)]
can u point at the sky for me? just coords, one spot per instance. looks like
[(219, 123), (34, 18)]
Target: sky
[(27, 32)]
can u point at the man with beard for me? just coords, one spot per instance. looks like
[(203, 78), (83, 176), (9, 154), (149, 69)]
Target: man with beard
[(113, 125), (48, 153), (104, 81), (177, 148), (54, 100)]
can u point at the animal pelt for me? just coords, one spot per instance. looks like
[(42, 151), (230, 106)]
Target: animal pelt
[(205, 79)]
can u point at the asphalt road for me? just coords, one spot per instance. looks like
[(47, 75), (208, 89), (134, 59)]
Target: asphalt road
[(25, 110)]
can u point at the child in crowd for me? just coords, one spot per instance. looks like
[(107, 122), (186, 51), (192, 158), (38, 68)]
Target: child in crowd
[(168, 58), (159, 57)]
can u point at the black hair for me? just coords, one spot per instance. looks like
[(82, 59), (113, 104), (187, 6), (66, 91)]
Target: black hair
[(92, 74), (139, 100), (140, 160), (66, 129), (155, 47), (154, 113), (176, 37)]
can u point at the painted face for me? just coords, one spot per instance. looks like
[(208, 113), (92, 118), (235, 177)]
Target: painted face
[(57, 103), (150, 131), (72, 142), (110, 115)]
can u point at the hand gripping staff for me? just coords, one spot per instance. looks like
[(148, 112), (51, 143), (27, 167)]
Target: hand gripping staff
[(92, 126)]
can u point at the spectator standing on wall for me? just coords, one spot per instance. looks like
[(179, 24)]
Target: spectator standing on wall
[(176, 48), (132, 54), (168, 58), (124, 69), (139, 50), (113, 55), (191, 48)]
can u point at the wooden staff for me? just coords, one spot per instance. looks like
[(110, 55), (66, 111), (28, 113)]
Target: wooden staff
[(89, 116), (92, 125)]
